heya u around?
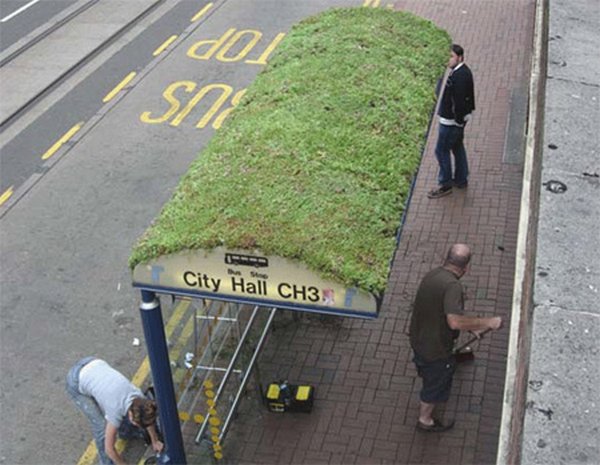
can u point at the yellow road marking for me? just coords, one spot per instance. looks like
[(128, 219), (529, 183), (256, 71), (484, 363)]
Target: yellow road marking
[(144, 369), (6, 195), (89, 455), (262, 59), (59, 143), (165, 44), (199, 15), (119, 87), (371, 3), (185, 334)]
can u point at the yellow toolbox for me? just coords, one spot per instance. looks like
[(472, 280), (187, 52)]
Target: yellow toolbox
[(284, 397)]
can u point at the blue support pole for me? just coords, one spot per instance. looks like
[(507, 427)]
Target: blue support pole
[(158, 355)]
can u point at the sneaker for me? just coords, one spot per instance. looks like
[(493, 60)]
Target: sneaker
[(440, 192), (436, 427)]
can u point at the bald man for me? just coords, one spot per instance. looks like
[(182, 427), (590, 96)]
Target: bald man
[(436, 321)]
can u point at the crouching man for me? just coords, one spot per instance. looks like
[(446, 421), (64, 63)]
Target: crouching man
[(112, 405)]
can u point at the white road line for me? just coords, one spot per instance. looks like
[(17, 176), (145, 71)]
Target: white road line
[(20, 10)]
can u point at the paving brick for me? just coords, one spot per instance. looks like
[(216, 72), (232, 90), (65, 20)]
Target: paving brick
[(367, 460), (317, 457), (366, 446), (334, 444)]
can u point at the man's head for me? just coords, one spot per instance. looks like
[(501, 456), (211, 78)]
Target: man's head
[(457, 55), (142, 412), (458, 258)]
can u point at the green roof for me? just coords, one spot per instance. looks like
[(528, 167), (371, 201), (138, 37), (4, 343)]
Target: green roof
[(316, 162)]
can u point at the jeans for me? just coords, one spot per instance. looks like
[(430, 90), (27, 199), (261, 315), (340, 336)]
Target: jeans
[(450, 139), (89, 407)]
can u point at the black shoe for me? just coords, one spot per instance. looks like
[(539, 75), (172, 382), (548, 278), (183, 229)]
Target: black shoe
[(437, 427), (464, 185), (441, 192)]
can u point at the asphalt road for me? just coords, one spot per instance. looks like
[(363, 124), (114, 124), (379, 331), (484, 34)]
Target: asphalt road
[(22, 156), (65, 285), (20, 17)]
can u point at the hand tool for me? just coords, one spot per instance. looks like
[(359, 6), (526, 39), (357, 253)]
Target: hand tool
[(463, 355)]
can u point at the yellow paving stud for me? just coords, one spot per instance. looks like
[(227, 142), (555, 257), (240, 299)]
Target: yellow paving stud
[(210, 402), (198, 418), (184, 416), (210, 394), (217, 447), (214, 421), (215, 430), (208, 384), (218, 451)]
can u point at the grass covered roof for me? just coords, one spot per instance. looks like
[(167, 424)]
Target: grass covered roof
[(316, 162)]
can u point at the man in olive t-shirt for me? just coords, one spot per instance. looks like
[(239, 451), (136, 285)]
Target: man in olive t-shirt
[(439, 294), (436, 320)]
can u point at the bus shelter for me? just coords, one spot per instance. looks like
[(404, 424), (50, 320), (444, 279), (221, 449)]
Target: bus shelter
[(233, 277), (297, 202)]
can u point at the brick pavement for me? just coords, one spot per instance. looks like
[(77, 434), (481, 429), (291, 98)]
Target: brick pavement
[(366, 386)]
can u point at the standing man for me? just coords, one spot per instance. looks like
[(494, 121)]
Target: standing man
[(458, 101), (436, 320), (112, 406)]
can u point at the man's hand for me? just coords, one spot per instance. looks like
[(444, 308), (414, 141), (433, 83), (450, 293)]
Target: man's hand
[(157, 446), (495, 323), (492, 324)]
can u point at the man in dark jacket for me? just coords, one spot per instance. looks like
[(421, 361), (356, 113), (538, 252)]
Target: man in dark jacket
[(458, 101)]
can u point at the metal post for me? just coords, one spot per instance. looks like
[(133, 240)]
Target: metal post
[(247, 374), (158, 355), (228, 371)]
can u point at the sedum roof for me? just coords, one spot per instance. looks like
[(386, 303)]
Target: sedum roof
[(316, 162)]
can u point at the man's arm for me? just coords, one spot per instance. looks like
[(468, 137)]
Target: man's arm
[(110, 440), (472, 323), (157, 445), (459, 96)]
